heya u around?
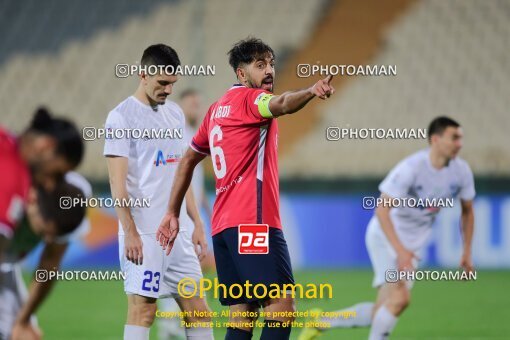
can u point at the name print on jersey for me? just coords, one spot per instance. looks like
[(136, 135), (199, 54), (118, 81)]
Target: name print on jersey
[(221, 112)]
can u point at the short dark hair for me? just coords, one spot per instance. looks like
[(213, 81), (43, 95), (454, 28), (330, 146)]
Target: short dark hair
[(246, 51), (66, 220), (160, 54), (439, 124), (188, 92), (69, 140)]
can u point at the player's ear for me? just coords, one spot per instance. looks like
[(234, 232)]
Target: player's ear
[(143, 76), (433, 138), (241, 74)]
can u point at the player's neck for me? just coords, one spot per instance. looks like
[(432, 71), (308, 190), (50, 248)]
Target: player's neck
[(142, 97), (437, 160)]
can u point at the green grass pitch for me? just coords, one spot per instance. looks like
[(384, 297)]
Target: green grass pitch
[(438, 310)]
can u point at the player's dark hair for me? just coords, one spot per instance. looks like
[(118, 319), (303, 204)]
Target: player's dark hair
[(66, 220), (188, 93), (248, 50), (439, 124), (160, 54), (69, 140)]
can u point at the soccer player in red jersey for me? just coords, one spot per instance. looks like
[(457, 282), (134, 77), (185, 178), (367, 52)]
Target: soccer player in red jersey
[(240, 134), (47, 149), (32, 183)]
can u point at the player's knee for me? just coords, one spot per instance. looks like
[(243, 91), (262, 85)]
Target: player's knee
[(196, 310), (244, 317), (199, 314), (283, 310), (142, 314), (400, 299), (291, 309), (148, 313)]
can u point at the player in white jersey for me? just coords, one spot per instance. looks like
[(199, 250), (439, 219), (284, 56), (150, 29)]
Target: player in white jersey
[(144, 168), (397, 234), (190, 101)]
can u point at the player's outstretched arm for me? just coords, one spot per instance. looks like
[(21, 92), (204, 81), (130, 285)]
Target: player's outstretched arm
[(468, 226), (50, 260), (293, 101), (169, 227)]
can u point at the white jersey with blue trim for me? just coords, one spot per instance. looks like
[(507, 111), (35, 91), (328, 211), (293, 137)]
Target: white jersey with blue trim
[(415, 178), (152, 159)]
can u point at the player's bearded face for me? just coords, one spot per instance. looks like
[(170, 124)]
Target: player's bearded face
[(260, 73), (159, 87)]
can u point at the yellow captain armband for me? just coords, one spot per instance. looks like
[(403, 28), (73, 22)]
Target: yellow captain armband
[(263, 104)]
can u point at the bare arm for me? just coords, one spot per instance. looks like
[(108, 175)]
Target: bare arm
[(404, 256), (467, 226), (50, 261), (183, 179), (191, 206), (293, 101), (117, 172), (169, 227)]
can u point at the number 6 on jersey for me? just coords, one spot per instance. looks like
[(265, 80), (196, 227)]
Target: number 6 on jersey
[(220, 168)]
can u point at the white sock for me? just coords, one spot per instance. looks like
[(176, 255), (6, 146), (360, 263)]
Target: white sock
[(199, 333), (359, 315), (383, 324), (169, 328), (133, 332)]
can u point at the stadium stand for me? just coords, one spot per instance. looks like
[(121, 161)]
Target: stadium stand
[(73, 72), (442, 69)]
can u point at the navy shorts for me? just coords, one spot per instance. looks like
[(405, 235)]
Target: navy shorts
[(235, 268)]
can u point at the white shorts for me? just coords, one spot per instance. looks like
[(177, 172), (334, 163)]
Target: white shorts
[(13, 295), (159, 275), (381, 253)]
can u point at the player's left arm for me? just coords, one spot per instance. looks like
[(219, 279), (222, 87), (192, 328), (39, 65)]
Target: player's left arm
[(467, 229), (198, 237), (50, 261)]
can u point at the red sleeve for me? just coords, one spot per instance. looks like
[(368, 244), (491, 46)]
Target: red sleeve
[(251, 103), (200, 142), (14, 186)]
